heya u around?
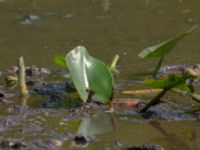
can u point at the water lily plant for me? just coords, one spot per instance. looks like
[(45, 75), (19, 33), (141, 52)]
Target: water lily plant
[(162, 49), (92, 78), (171, 81)]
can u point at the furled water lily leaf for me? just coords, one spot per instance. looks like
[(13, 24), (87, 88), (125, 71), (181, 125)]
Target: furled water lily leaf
[(60, 60), (163, 48), (171, 81), (91, 77)]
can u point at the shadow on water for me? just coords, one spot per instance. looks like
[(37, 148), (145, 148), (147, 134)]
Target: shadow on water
[(174, 141)]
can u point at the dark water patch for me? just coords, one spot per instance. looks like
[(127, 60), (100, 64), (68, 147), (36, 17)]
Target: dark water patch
[(2, 95), (35, 83), (12, 144), (166, 110), (145, 147), (54, 101), (80, 140), (51, 88), (169, 112)]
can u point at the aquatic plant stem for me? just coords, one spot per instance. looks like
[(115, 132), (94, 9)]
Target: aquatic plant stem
[(158, 66), (154, 101), (22, 78), (114, 63)]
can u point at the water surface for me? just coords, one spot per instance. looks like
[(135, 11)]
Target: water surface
[(38, 30)]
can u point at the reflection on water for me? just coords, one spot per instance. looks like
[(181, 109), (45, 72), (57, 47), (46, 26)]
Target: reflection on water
[(24, 101), (174, 141), (91, 127), (98, 124)]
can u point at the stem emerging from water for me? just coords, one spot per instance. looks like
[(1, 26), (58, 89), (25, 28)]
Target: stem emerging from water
[(158, 66), (154, 101), (114, 63), (22, 78)]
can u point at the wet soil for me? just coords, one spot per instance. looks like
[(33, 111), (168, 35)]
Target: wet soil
[(48, 117)]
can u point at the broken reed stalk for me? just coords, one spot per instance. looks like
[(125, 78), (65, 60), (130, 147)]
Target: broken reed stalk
[(142, 92), (22, 78)]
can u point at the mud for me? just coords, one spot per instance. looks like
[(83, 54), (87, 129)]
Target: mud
[(37, 124), (33, 145)]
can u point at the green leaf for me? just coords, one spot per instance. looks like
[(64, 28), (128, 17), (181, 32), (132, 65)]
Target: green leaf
[(60, 60), (171, 81), (91, 77), (184, 88), (161, 49)]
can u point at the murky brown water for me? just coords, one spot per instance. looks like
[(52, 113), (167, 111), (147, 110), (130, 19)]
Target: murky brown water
[(106, 28)]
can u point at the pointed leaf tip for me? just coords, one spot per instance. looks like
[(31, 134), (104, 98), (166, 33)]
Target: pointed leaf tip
[(163, 48)]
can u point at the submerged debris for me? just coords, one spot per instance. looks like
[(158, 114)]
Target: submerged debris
[(54, 101), (50, 88), (145, 147), (29, 19), (43, 144), (30, 71), (32, 145), (167, 113), (80, 140), (1, 95), (3, 100), (12, 144), (131, 103), (180, 69)]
